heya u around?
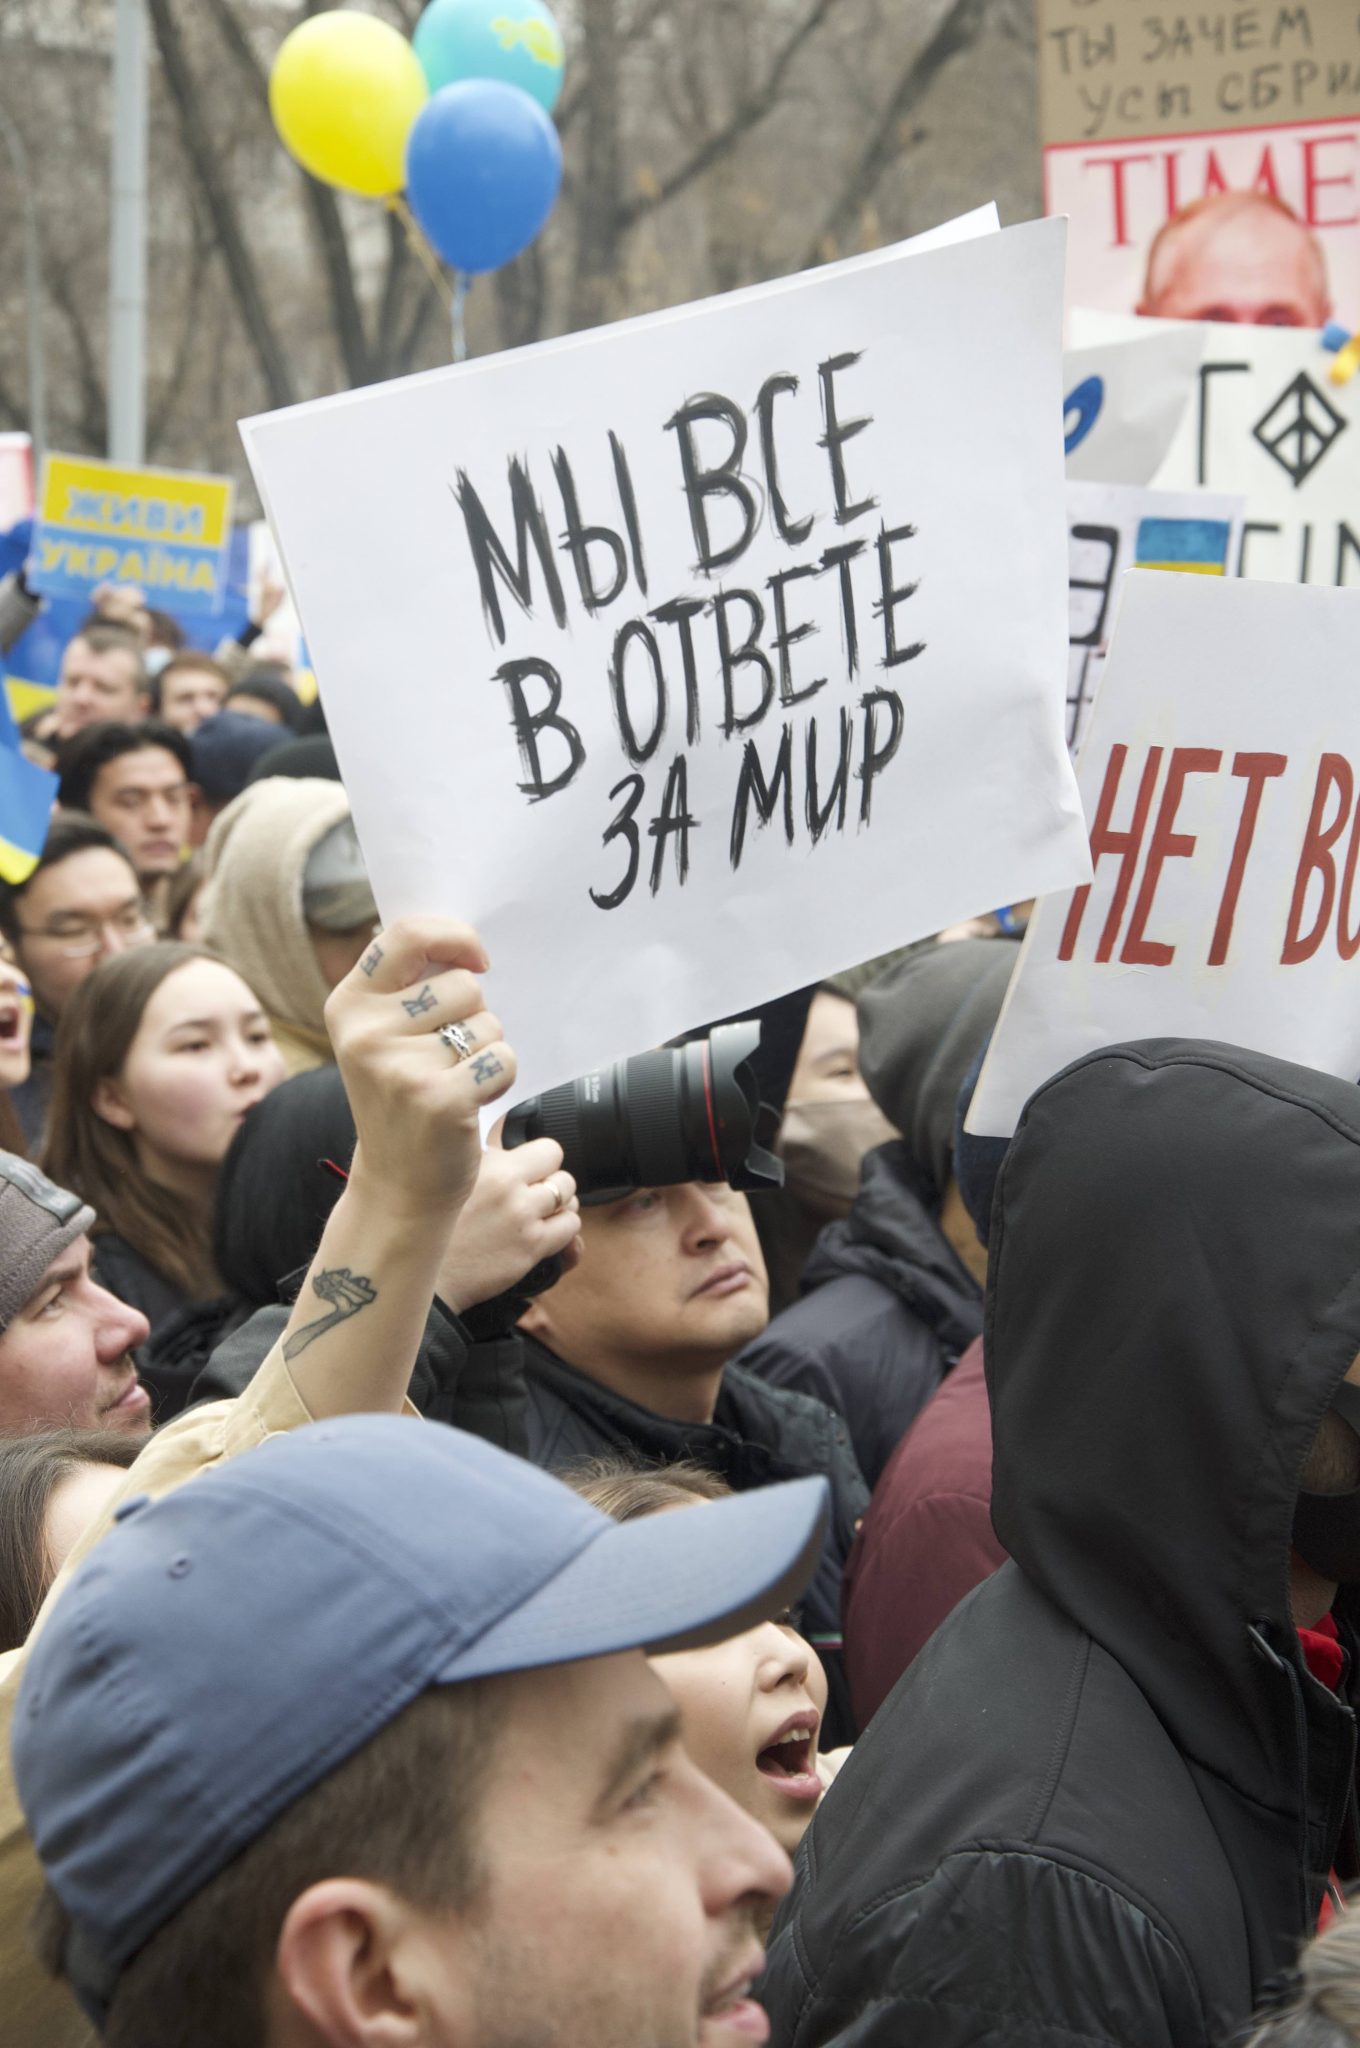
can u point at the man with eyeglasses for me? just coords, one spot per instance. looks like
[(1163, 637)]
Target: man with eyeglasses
[(135, 781), (82, 902)]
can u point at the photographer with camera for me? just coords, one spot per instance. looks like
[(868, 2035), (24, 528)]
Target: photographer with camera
[(630, 1350)]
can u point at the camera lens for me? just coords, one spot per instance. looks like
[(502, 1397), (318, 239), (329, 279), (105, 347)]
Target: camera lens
[(688, 1112)]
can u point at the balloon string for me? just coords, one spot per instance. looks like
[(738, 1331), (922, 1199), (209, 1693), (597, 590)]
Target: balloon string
[(462, 285), (421, 249)]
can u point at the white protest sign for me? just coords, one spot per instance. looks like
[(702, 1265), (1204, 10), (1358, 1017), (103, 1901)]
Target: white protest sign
[(698, 657), (1265, 419), (1221, 774), (1114, 527), (1124, 401)]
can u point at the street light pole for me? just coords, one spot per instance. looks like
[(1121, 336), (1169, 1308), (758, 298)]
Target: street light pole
[(33, 291), (127, 248)]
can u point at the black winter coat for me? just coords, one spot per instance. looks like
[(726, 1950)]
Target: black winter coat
[(887, 1310), (1102, 1803), (759, 1434)]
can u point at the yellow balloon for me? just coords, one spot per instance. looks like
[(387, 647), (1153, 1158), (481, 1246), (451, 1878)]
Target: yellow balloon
[(344, 92)]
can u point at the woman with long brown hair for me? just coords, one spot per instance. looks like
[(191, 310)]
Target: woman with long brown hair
[(160, 1053)]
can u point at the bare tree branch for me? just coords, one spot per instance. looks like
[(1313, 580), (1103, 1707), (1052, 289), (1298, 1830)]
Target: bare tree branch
[(191, 314), (324, 212), (393, 296), (93, 417), (634, 31), (427, 304), (957, 29), (220, 204), (749, 112), (598, 211)]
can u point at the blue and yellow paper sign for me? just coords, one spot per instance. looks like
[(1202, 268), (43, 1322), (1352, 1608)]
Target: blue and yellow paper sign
[(1198, 545), (166, 530)]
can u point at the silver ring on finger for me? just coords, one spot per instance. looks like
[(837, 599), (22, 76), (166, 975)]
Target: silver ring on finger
[(459, 1041), (559, 1199)]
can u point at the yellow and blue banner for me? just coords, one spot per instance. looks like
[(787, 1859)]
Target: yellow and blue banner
[(27, 794), (1199, 545), (166, 530)]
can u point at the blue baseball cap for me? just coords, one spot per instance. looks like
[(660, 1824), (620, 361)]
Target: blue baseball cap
[(226, 1647)]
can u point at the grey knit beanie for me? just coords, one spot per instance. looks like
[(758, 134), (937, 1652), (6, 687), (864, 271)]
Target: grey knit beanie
[(920, 1029), (37, 1221)]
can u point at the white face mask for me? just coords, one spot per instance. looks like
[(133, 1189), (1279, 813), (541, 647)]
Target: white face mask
[(822, 1145)]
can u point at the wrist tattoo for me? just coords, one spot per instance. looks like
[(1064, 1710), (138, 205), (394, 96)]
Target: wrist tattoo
[(370, 960), (416, 1006), (486, 1067), (346, 1292)]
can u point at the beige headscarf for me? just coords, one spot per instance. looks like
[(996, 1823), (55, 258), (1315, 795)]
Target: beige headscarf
[(256, 857)]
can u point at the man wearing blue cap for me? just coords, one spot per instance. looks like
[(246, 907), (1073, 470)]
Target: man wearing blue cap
[(420, 1056), (350, 1742)]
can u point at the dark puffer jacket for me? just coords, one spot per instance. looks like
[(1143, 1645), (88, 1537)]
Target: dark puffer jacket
[(887, 1309), (758, 1435), (1102, 1804)]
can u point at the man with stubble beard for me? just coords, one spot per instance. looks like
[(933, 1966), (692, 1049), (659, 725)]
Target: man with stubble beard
[(66, 1343)]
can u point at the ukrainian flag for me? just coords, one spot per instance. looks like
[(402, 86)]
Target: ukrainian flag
[(1199, 545), (27, 794)]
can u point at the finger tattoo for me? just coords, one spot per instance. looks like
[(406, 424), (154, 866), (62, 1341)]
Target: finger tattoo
[(416, 1006), (486, 1067), (370, 960)]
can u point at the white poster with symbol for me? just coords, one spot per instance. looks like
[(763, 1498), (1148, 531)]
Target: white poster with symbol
[(1124, 401), (1265, 420), (699, 634)]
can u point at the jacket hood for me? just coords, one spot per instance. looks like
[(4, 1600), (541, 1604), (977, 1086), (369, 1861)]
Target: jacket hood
[(1173, 1297), (921, 1026), (256, 856), (891, 1236)]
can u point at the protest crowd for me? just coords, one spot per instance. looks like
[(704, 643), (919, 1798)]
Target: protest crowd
[(837, 1527)]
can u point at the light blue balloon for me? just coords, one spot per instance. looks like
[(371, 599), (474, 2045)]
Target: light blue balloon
[(515, 41), (483, 170)]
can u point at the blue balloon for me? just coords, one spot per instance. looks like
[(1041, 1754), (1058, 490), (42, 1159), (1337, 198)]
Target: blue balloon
[(482, 173), (515, 41), (483, 169)]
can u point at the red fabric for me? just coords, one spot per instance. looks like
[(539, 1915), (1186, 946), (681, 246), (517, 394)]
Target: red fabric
[(1322, 1652), (1323, 1655), (927, 1538)]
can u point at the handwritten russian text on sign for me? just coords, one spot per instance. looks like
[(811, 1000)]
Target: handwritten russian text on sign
[(1147, 110), (1115, 527), (1221, 778), (712, 651), (167, 531)]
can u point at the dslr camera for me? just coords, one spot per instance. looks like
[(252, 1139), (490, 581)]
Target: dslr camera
[(688, 1112)]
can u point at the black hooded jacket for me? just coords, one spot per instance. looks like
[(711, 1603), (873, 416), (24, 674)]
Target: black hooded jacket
[(887, 1309), (1102, 1803)]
